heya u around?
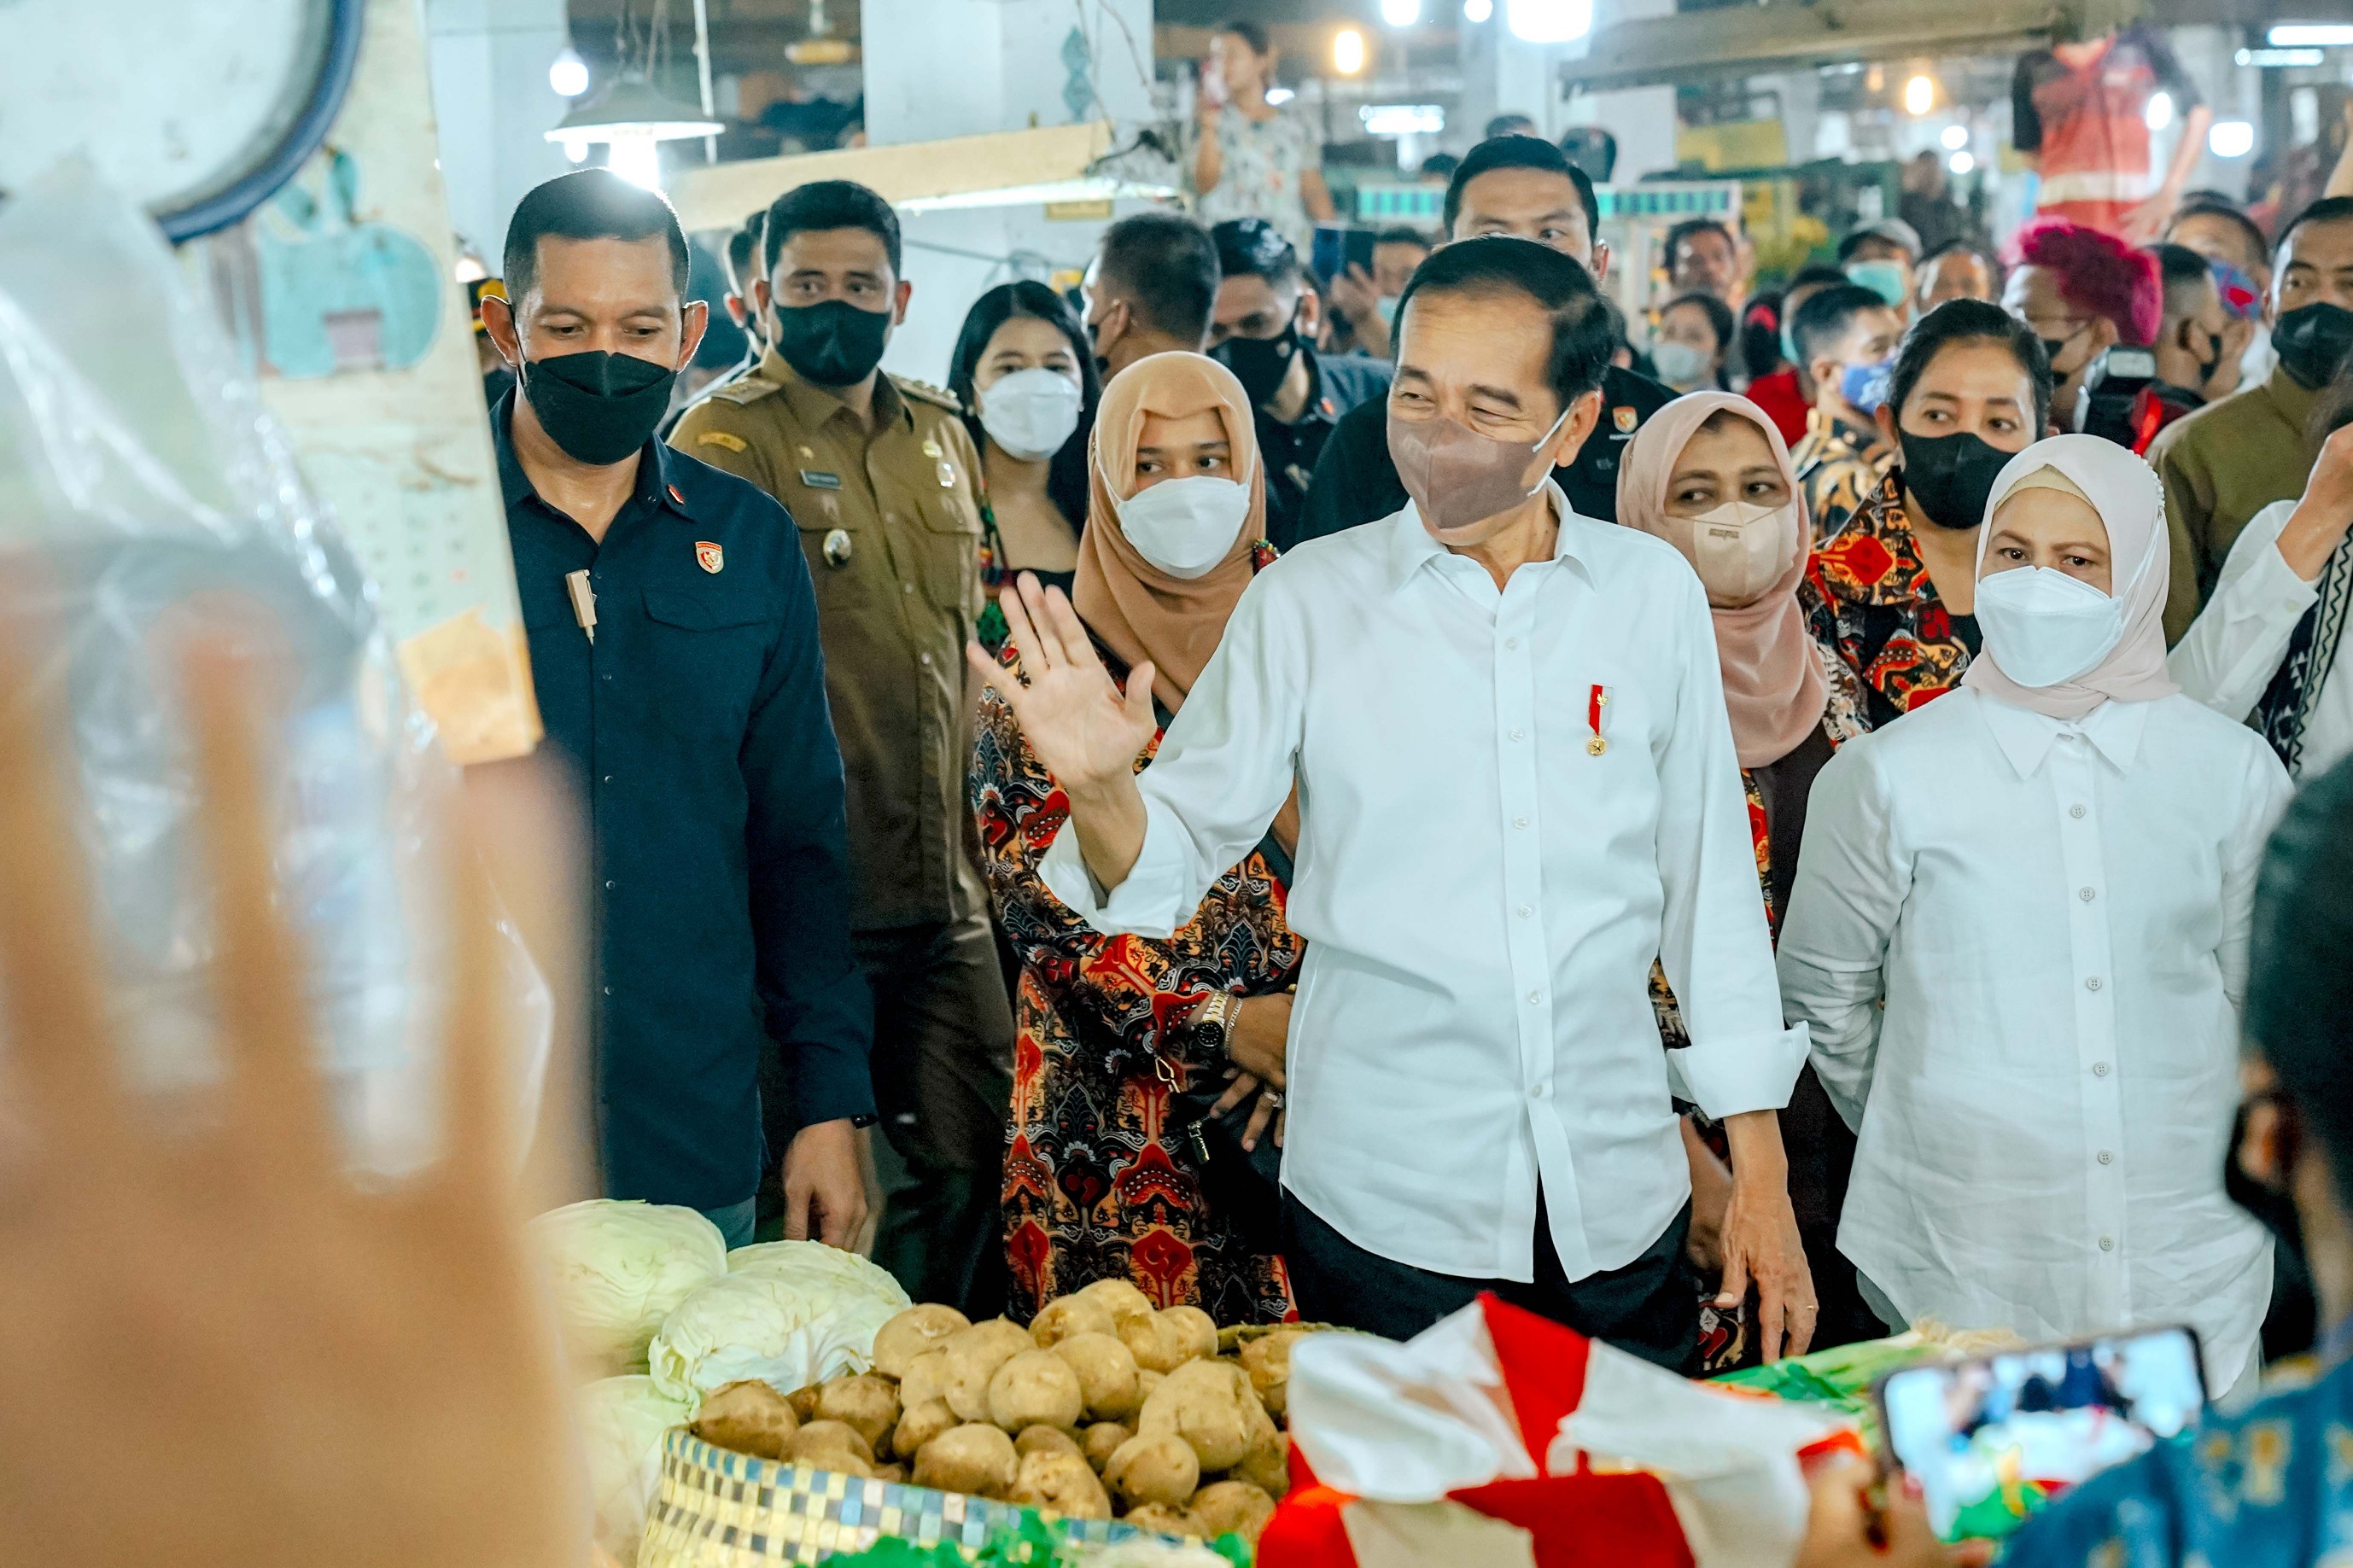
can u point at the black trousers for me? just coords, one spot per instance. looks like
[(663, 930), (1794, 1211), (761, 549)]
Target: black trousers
[(1650, 1308)]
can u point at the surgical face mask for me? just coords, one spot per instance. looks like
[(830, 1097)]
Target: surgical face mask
[(1184, 527), (599, 407), (1789, 338), (1458, 477), (1260, 363), (1865, 385), (2312, 341), (1680, 365), (1029, 413), (1951, 476), (1387, 306), (832, 342), (1888, 280), (1740, 548)]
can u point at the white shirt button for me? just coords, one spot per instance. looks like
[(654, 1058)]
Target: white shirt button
[(2092, 984), (2088, 895), (2107, 1157), (2074, 811), (1524, 910), (906, 588), (1535, 997), (2099, 1070), (2107, 1244), (924, 658), (1538, 1092), (1510, 642), (1519, 822), (1515, 734)]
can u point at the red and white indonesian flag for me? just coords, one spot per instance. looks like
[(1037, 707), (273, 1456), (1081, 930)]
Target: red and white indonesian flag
[(1501, 1439)]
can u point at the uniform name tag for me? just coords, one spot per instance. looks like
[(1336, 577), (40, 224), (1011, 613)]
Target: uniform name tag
[(816, 480)]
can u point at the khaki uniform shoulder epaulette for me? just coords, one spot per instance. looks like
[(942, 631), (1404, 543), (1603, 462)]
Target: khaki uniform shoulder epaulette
[(746, 389), (924, 392)]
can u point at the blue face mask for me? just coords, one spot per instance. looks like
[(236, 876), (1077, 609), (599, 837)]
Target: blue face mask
[(1865, 385), (1888, 280), (1789, 340)]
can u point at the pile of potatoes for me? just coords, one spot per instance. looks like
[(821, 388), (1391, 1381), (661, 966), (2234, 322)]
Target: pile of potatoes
[(1102, 1406)]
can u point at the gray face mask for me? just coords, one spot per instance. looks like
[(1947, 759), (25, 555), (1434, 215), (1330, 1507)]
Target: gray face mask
[(1458, 477)]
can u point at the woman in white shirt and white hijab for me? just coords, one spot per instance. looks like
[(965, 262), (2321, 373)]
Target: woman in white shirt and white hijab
[(2046, 878)]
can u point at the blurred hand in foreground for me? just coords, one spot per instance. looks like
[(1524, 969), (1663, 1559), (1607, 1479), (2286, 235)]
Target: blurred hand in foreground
[(222, 1354)]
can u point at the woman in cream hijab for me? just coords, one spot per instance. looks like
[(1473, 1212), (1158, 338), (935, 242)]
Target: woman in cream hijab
[(2019, 937), (1112, 1171), (1709, 473)]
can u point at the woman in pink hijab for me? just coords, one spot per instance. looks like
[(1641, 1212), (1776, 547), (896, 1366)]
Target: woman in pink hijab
[(2018, 940), (1709, 473)]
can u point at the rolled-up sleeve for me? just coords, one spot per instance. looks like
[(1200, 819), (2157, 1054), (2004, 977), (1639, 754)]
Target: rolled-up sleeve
[(1224, 769), (1842, 914), (2232, 649), (1713, 941), (819, 1009)]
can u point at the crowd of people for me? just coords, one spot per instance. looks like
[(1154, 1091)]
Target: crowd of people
[(1321, 797)]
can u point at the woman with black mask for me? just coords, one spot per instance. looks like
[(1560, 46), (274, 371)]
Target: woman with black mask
[(1893, 594)]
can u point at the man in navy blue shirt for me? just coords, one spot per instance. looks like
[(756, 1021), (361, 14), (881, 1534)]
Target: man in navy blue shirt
[(674, 647)]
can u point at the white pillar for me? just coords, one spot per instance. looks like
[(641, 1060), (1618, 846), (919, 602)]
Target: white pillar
[(938, 68), (492, 107)]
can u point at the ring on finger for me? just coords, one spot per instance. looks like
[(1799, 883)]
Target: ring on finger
[(1274, 1097)]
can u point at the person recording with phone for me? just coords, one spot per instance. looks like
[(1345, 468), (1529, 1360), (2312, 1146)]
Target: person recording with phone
[(1252, 158)]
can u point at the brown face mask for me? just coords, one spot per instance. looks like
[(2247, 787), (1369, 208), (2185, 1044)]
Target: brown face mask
[(1458, 477)]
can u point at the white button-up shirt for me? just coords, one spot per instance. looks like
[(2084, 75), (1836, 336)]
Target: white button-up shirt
[(2055, 915), (1482, 890), (2236, 645)]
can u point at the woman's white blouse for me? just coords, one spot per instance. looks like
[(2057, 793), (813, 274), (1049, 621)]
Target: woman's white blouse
[(2054, 914)]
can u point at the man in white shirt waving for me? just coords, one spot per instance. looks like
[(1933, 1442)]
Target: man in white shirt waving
[(1517, 788)]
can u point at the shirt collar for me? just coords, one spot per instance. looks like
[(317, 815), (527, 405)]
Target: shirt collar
[(813, 405), (2026, 737), (657, 482), (1411, 548)]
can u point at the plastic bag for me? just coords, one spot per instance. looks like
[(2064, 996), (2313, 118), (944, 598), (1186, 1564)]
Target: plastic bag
[(144, 492)]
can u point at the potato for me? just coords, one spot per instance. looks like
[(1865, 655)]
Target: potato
[(1268, 1465), (973, 1357), (926, 1380), (1035, 1388), (1118, 1297), (867, 1404), (1165, 1520), (839, 1463), (804, 1402), (891, 1473), (819, 1440), (1102, 1440), (1157, 1344), (1162, 1470), (1146, 1382), (1106, 1370), (1060, 1482), (1268, 1361), (1209, 1405), (914, 1331), (1070, 1315), (747, 1417), (1045, 1440), (973, 1459), (920, 1425), (1196, 1331), (1233, 1506)]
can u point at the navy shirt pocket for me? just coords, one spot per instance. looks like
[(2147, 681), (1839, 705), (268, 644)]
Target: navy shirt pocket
[(708, 650)]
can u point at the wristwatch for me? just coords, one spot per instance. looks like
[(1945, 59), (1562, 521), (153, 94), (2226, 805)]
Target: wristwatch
[(1212, 1024)]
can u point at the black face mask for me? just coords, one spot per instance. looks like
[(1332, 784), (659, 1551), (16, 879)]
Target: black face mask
[(1951, 476), (2312, 341), (599, 407), (833, 344), (2271, 1206), (1260, 363), (2207, 367)]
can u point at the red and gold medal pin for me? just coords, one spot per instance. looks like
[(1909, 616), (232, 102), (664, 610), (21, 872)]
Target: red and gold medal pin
[(1593, 707)]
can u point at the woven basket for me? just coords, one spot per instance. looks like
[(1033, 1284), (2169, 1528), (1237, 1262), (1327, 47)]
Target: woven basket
[(721, 1509)]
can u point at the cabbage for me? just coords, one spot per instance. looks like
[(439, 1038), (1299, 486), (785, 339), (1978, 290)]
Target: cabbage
[(796, 1313), (619, 1269), (622, 1420)]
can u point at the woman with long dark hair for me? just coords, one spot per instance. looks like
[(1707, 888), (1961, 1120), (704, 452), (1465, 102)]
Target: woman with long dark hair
[(1027, 380)]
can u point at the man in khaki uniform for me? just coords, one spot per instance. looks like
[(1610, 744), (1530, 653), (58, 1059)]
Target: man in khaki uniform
[(880, 476)]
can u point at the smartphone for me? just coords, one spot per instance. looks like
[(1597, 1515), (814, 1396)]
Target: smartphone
[(1993, 1439), (1339, 247)]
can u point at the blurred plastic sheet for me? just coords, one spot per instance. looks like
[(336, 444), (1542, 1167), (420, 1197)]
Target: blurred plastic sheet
[(144, 494)]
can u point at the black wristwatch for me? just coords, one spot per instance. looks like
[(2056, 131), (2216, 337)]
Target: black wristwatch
[(1212, 1028)]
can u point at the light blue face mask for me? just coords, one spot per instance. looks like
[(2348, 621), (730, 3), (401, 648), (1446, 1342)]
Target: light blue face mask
[(1888, 280), (1789, 338)]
